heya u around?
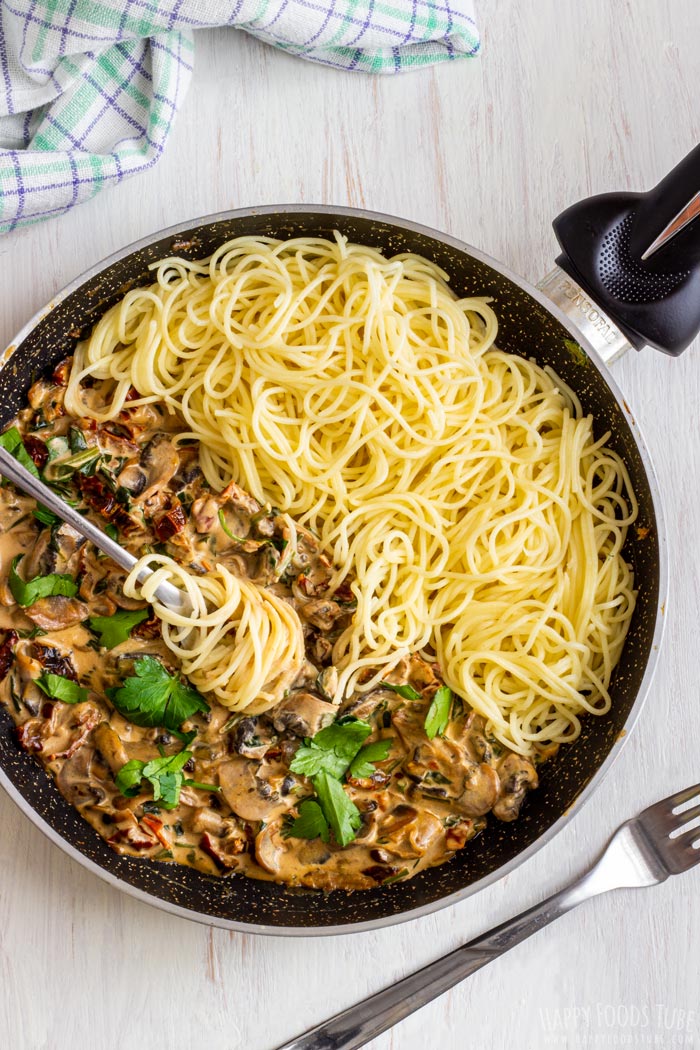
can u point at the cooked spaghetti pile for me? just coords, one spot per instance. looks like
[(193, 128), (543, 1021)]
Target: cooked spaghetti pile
[(459, 488)]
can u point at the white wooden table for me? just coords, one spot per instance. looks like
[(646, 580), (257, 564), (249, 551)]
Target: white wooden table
[(569, 98)]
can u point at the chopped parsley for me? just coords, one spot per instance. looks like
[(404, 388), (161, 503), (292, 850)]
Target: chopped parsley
[(438, 713), (339, 810), (310, 824), (325, 759), (12, 442), (26, 592), (332, 749), (362, 765), (60, 688), (406, 691), (152, 697), (115, 629), (164, 775)]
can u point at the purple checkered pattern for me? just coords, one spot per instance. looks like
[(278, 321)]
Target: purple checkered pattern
[(89, 88)]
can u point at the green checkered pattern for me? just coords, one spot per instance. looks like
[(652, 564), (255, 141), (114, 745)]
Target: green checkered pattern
[(89, 88)]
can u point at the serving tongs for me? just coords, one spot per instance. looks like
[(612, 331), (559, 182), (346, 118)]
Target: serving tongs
[(170, 596)]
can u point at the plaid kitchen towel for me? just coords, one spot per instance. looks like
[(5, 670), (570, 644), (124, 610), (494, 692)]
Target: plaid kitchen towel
[(89, 88)]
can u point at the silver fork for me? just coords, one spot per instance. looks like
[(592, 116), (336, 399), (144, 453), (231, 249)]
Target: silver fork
[(13, 470), (643, 852)]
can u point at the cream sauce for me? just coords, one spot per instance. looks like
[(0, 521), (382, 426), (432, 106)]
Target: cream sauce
[(424, 802)]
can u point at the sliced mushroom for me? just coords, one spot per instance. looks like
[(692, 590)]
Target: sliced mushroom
[(245, 739), (160, 461), (322, 613), (41, 559), (248, 792), (206, 819), (290, 860), (517, 776), (480, 790), (77, 782), (110, 746), (133, 479), (97, 573), (240, 499), (57, 612), (445, 771), (303, 714), (327, 682)]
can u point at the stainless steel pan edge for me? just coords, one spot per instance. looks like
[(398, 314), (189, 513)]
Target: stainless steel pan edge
[(603, 769)]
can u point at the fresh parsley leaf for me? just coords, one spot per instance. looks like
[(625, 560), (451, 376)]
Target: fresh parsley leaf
[(60, 688), (406, 691), (202, 787), (362, 764), (116, 628), (12, 442), (186, 738), (26, 592), (152, 697), (128, 779), (46, 516), (224, 526), (163, 774), (332, 749), (339, 810), (438, 713), (310, 824), (166, 778)]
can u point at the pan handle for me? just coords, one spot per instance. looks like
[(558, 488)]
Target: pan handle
[(629, 271)]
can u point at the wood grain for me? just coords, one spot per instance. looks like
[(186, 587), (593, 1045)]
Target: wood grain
[(569, 98)]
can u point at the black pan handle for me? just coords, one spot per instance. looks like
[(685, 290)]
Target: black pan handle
[(637, 255)]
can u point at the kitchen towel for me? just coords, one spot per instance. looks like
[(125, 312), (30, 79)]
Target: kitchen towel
[(89, 88)]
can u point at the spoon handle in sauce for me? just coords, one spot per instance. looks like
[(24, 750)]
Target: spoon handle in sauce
[(13, 470)]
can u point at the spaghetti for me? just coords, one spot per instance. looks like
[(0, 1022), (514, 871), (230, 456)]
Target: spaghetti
[(458, 489), (240, 642)]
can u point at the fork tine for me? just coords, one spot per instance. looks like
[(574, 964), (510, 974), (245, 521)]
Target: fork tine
[(663, 810), (682, 796), (687, 838), (687, 815)]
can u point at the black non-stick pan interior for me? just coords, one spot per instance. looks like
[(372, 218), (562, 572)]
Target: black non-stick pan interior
[(526, 328)]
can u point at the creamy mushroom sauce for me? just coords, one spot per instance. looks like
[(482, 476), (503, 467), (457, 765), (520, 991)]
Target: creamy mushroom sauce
[(423, 803)]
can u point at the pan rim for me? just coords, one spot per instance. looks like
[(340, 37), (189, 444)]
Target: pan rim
[(663, 568)]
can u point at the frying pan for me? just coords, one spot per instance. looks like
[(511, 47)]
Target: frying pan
[(601, 297)]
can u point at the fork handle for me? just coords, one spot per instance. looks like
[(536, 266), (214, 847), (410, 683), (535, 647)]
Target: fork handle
[(358, 1024), (13, 470)]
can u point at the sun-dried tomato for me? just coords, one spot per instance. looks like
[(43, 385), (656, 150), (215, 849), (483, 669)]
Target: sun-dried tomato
[(37, 450), (98, 496), (54, 661), (6, 652), (223, 853), (169, 523), (62, 370), (147, 629)]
